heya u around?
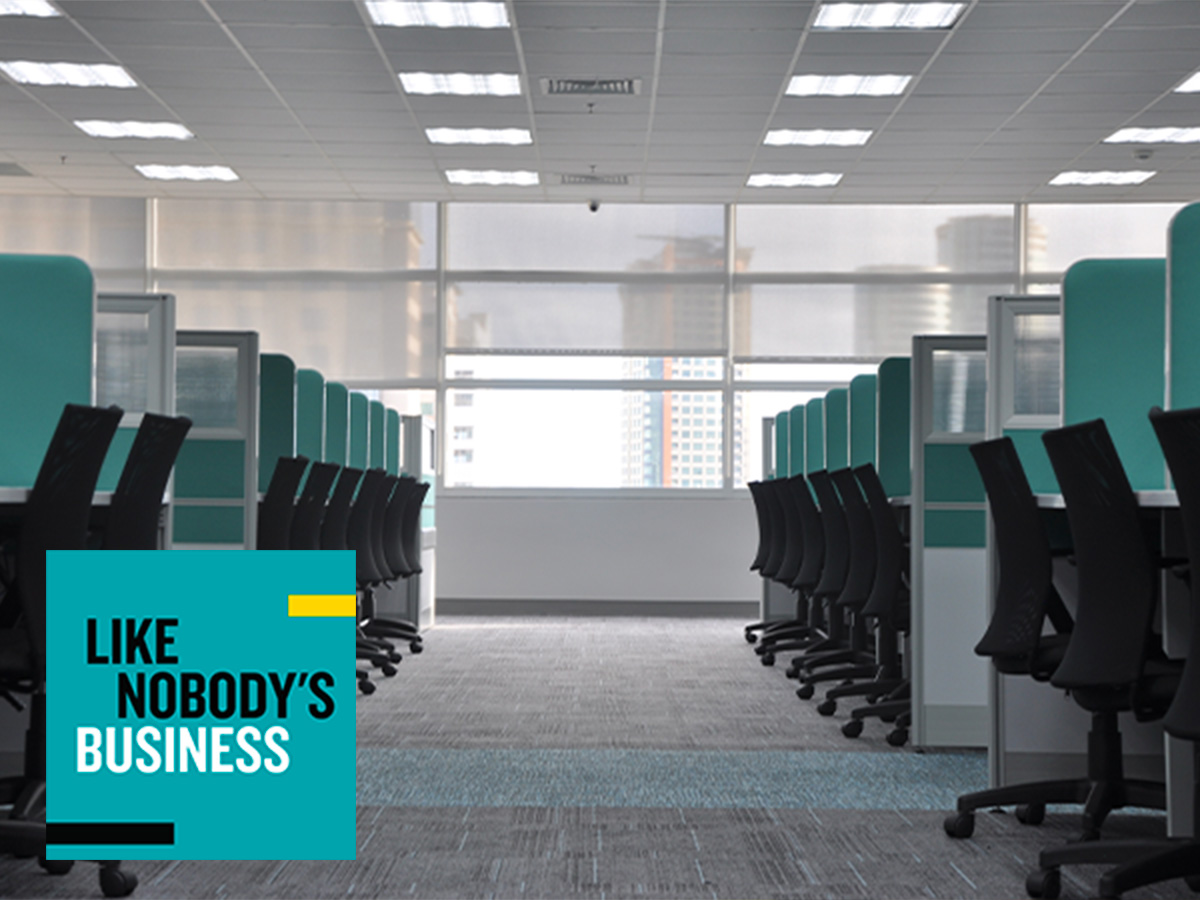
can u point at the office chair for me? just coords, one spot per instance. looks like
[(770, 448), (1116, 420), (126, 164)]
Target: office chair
[(762, 514), (391, 559), (309, 512), (1110, 665), (55, 517), (279, 503), (133, 515), (360, 538), (784, 534), (1025, 601), (1143, 862)]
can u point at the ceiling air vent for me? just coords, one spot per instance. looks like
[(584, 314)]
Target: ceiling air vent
[(591, 179), (12, 170), (607, 86)]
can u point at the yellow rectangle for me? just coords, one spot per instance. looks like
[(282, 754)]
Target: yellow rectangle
[(322, 605)]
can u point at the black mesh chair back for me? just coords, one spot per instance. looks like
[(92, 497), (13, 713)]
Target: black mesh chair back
[(59, 506), (812, 534), (133, 515), (772, 492), (378, 519), (860, 570), (793, 529), (358, 526), (310, 508), (891, 553), (1025, 594), (412, 527), (1116, 571), (837, 536), (762, 514), (393, 528), (1179, 434), (279, 503), (337, 514)]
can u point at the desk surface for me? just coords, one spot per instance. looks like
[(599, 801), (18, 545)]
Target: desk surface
[(1150, 499)]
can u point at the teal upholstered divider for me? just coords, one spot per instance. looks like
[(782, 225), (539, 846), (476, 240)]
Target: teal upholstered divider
[(376, 417), (276, 413), (1114, 350), (814, 434), (837, 429), (392, 441), (46, 338), (359, 430), (796, 440), (894, 425), (862, 420), (337, 423), (1183, 287), (310, 414), (782, 440)]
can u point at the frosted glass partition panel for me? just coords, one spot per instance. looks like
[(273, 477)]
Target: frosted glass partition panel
[(547, 367), (1062, 234), (583, 438), (295, 234), (845, 238), (123, 360), (1037, 363), (206, 379), (345, 327), (641, 316), (871, 319), (959, 391), (557, 236)]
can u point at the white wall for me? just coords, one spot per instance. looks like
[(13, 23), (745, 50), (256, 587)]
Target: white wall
[(693, 548)]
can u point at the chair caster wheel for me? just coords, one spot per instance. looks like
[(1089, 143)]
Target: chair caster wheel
[(416, 647), (1044, 883), (768, 659), (366, 686), (898, 737), (792, 673), (1031, 813), (853, 728), (115, 883), (751, 637), (806, 691), (828, 708), (55, 866), (959, 825), (395, 657)]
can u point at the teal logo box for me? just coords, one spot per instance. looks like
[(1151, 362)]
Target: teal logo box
[(200, 705)]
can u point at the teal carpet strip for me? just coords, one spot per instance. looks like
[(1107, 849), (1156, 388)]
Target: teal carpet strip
[(667, 778)]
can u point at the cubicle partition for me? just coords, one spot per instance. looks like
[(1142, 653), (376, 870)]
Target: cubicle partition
[(797, 440), (1183, 308), (276, 414), (393, 453), (837, 429), (783, 436), (862, 419), (376, 417), (814, 435), (893, 425), (337, 423), (949, 570), (310, 414), (360, 431)]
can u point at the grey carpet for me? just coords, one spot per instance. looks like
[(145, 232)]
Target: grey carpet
[(606, 758)]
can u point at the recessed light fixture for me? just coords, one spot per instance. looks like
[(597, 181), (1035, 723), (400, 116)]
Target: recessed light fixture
[(1091, 179), (105, 129), (188, 173), (24, 71), (512, 136), (848, 85), (491, 177), (1190, 86), (436, 14), (888, 15), (1154, 136), (817, 137), (819, 179), (38, 8), (497, 84)]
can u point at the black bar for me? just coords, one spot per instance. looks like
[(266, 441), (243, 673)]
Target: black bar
[(149, 833)]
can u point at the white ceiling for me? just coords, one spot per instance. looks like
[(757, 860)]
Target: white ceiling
[(301, 99)]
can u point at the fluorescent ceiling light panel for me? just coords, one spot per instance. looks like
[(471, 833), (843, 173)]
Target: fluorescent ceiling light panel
[(888, 15), (1191, 86), (1154, 136), (817, 137), (188, 173), (819, 179), (461, 83), (1092, 179), (491, 177), (73, 74), (848, 85), (401, 14), (105, 129), (512, 136), (38, 8)]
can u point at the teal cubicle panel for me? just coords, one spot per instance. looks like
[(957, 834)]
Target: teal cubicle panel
[(1114, 356), (893, 425), (837, 429), (310, 414), (276, 413), (392, 441), (1183, 287), (376, 416), (337, 423), (782, 441), (862, 420), (359, 430), (796, 440), (47, 330), (814, 435)]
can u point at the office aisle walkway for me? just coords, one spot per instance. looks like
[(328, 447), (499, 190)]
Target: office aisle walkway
[(605, 758)]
